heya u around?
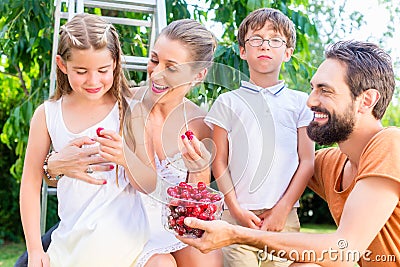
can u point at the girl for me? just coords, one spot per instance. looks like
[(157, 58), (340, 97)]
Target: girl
[(100, 225)]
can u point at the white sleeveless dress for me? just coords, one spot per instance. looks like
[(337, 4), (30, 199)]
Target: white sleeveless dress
[(171, 171), (101, 225)]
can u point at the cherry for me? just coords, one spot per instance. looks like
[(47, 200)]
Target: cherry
[(172, 191), (98, 130), (198, 232), (183, 185), (181, 231), (179, 221), (180, 210), (212, 208), (189, 134), (201, 186), (196, 211), (172, 221), (187, 200), (215, 198), (203, 216)]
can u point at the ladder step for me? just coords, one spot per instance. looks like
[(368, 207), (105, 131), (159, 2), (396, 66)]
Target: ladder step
[(121, 21), (52, 190), (122, 6), (135, 63)]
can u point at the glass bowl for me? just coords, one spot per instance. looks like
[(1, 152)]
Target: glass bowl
[(190, 200)]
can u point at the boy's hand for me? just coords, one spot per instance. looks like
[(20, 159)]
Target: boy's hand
[(273, 219), (246, 218)]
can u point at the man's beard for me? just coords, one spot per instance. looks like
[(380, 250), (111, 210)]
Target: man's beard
[(337, 129)]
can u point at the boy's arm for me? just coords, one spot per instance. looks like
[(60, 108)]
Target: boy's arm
[(37, 148), (275, 218), (224, 180), (324, 249)]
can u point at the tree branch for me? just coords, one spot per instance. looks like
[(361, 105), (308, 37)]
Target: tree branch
[(21, 79), (9, 74)]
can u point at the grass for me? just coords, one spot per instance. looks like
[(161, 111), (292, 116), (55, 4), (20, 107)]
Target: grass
[(10, 252), (318, 228)]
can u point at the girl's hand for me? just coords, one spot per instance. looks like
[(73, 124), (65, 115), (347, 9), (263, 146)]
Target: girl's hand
[(38, 258), (111, 147), (195, 154)]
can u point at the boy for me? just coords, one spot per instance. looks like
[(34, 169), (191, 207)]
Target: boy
[(264, 157)]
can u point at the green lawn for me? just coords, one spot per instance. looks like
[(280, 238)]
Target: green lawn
[(318, 228), (9, 253)]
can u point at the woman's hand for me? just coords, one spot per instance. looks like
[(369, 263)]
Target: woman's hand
[(74, 160), (195, 155)]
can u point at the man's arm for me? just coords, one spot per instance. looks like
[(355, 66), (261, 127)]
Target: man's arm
[(360, 208)]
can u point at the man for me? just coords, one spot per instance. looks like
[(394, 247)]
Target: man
[(360, 180)]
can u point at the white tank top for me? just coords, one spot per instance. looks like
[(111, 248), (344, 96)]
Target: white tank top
[(101, 225)]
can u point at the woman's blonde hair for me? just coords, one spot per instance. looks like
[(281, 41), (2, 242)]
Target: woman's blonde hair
[(199, 41)]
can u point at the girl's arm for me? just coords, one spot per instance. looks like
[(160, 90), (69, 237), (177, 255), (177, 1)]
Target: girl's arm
[(131, 152), (36, 151), (275, 218), (135, 161)]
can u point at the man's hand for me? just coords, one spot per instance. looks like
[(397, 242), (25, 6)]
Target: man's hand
[(217, 234)]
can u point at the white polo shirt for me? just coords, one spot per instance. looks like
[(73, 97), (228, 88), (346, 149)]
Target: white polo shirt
[(262, 128)]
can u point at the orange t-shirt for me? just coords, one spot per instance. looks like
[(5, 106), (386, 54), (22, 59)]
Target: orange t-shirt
[(380, 158)]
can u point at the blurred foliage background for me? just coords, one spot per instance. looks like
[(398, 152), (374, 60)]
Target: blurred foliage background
[(26, 30)]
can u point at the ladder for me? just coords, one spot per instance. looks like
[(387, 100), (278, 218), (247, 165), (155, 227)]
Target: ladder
[(66, 9)]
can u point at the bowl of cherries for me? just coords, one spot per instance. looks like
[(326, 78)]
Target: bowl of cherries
[(190, 200)]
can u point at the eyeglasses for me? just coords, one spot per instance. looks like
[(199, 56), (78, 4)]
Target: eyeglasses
[(257, 41)]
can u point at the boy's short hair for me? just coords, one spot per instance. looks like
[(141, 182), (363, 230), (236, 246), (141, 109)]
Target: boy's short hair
[(257, 19)]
